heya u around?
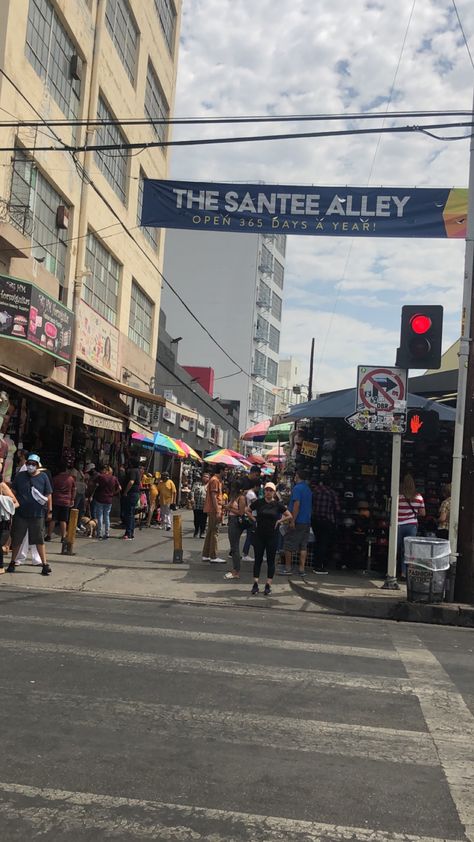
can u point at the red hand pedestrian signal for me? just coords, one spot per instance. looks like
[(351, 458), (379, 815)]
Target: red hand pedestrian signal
[(415, 424)]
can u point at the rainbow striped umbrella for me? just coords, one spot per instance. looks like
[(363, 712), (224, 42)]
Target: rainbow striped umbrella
[(160, 442), (220, 458), (225, 451), (189, 451)]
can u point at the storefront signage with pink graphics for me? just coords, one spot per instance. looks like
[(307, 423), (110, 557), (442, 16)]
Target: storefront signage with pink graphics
[(98, 340), (31, 316)]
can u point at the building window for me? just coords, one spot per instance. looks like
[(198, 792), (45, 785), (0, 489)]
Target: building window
[(260, 364), (280, 243), (264, 294), (124, 33), (257, 399), (269, 404), (101, 287), (272, 371), (140, 327), (261, 333), (276, 306), (278, 273), (33, 210), (156, 107), (151, 234), (274, 339), (113, 164), (167, 15), (49, 49), (266, 260)]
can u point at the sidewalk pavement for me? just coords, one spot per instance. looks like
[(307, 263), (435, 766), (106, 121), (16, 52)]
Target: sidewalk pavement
[(143, 568)]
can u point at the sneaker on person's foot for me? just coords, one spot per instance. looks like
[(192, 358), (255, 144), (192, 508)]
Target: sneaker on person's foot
[(320, 571), (285, 572), (255, 589), (205, 558), (267, 590), (247, 558), (217, 561), (45, 570), (11, 567)]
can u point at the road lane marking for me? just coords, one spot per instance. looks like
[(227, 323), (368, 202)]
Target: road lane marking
[(448, 719), (207, 637), (288, 675), (232, 726), (66, 811)]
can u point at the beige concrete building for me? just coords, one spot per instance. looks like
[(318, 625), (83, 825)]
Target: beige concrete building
[(69, 223)]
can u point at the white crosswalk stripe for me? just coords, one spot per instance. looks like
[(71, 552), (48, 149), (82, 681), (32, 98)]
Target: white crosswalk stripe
[(69, 811)]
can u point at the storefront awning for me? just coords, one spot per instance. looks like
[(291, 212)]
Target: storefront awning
[(125, 389), (90, 416), (182, 410)]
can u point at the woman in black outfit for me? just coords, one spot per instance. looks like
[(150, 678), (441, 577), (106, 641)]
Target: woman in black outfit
[(269, 514)]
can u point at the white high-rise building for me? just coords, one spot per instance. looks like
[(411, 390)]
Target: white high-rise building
[(233, 283), (290, 377)]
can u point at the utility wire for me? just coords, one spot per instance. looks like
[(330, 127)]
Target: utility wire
[(124, 147), (463, 33), (203, 121), (211, 404)]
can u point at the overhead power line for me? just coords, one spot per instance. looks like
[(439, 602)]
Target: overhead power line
[(216, 121), (128, 146), (463, 33)]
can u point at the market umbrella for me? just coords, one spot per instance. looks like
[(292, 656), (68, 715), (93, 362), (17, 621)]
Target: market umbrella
[(188, 450), (256, 459), (342, 403), (218, 458), (279, 432), (276, 454), (257, 432), (225, 451), (160, 441)]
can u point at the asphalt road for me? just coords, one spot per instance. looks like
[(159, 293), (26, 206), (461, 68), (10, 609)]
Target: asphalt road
[(129, 720)]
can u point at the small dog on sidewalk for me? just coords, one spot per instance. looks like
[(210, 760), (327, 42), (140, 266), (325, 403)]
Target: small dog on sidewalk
[(90, 527)]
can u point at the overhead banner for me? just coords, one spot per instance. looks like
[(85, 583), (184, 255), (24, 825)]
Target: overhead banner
[(325, 211)]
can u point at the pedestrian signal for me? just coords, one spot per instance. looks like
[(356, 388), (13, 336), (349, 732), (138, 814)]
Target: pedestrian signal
[(422, 424), (420, 336)]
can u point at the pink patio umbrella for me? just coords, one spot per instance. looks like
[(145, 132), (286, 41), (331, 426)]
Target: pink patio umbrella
[(257, 432)]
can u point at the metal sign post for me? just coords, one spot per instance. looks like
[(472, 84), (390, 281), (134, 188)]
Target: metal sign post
[(381, 407)]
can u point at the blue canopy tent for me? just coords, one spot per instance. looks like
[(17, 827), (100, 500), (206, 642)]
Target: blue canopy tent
[(342, 403)]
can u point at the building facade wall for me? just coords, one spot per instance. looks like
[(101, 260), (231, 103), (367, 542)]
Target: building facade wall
[(219, 275), (93, 208)]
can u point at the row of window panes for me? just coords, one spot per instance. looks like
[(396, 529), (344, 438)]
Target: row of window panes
[(276, 306), (264, 294), (141, 318), (101, 292), (124, 33), (156, 107), (274, 339), (261, 333), (266, 260), (167, 17), (50, 50), (265, 367), (113, 164), (278, 273), (151, 234), (280, 243), (33, 211)]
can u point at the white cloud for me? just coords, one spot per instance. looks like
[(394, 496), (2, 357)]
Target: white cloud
[(239, 57)]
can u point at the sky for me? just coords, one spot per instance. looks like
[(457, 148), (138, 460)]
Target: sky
[(258, 57)]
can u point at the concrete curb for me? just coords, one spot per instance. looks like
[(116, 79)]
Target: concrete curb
[(381, 606)]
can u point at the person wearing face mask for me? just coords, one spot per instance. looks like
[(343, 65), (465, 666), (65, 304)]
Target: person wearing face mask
[(33, 491)]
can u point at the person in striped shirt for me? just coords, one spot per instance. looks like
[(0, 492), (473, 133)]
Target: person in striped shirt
[(411, 506)]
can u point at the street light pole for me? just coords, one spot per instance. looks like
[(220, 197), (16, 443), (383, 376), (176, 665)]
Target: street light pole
[(311, 366)]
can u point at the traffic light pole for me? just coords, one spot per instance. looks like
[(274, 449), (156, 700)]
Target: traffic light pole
[(391, 577), (461, 528)]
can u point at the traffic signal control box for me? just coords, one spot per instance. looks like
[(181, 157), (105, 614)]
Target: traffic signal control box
[(421, 336)]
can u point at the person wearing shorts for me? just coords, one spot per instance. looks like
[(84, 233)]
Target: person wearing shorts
[(297, 536), (33, 491)]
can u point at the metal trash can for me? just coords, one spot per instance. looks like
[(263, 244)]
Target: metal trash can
[(427, 561)]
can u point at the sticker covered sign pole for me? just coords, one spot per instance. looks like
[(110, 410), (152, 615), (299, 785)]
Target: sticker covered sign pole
[(391, 577)]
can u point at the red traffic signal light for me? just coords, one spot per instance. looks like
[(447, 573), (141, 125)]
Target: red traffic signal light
[(422, 424), (420, 323), (420, 336)]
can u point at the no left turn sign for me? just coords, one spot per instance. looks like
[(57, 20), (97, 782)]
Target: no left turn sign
[(381, 388)]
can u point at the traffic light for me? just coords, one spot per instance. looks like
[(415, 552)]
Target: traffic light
[(420, 336), (422, 424)]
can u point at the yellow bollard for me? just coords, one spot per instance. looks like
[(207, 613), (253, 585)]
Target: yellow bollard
[(68, 543), (177, 540)]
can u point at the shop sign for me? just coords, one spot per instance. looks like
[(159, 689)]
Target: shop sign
[(381, 388), (98, 340), (31, 316), (371, 421), (317, 211), (309, 449), (102, 422)]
